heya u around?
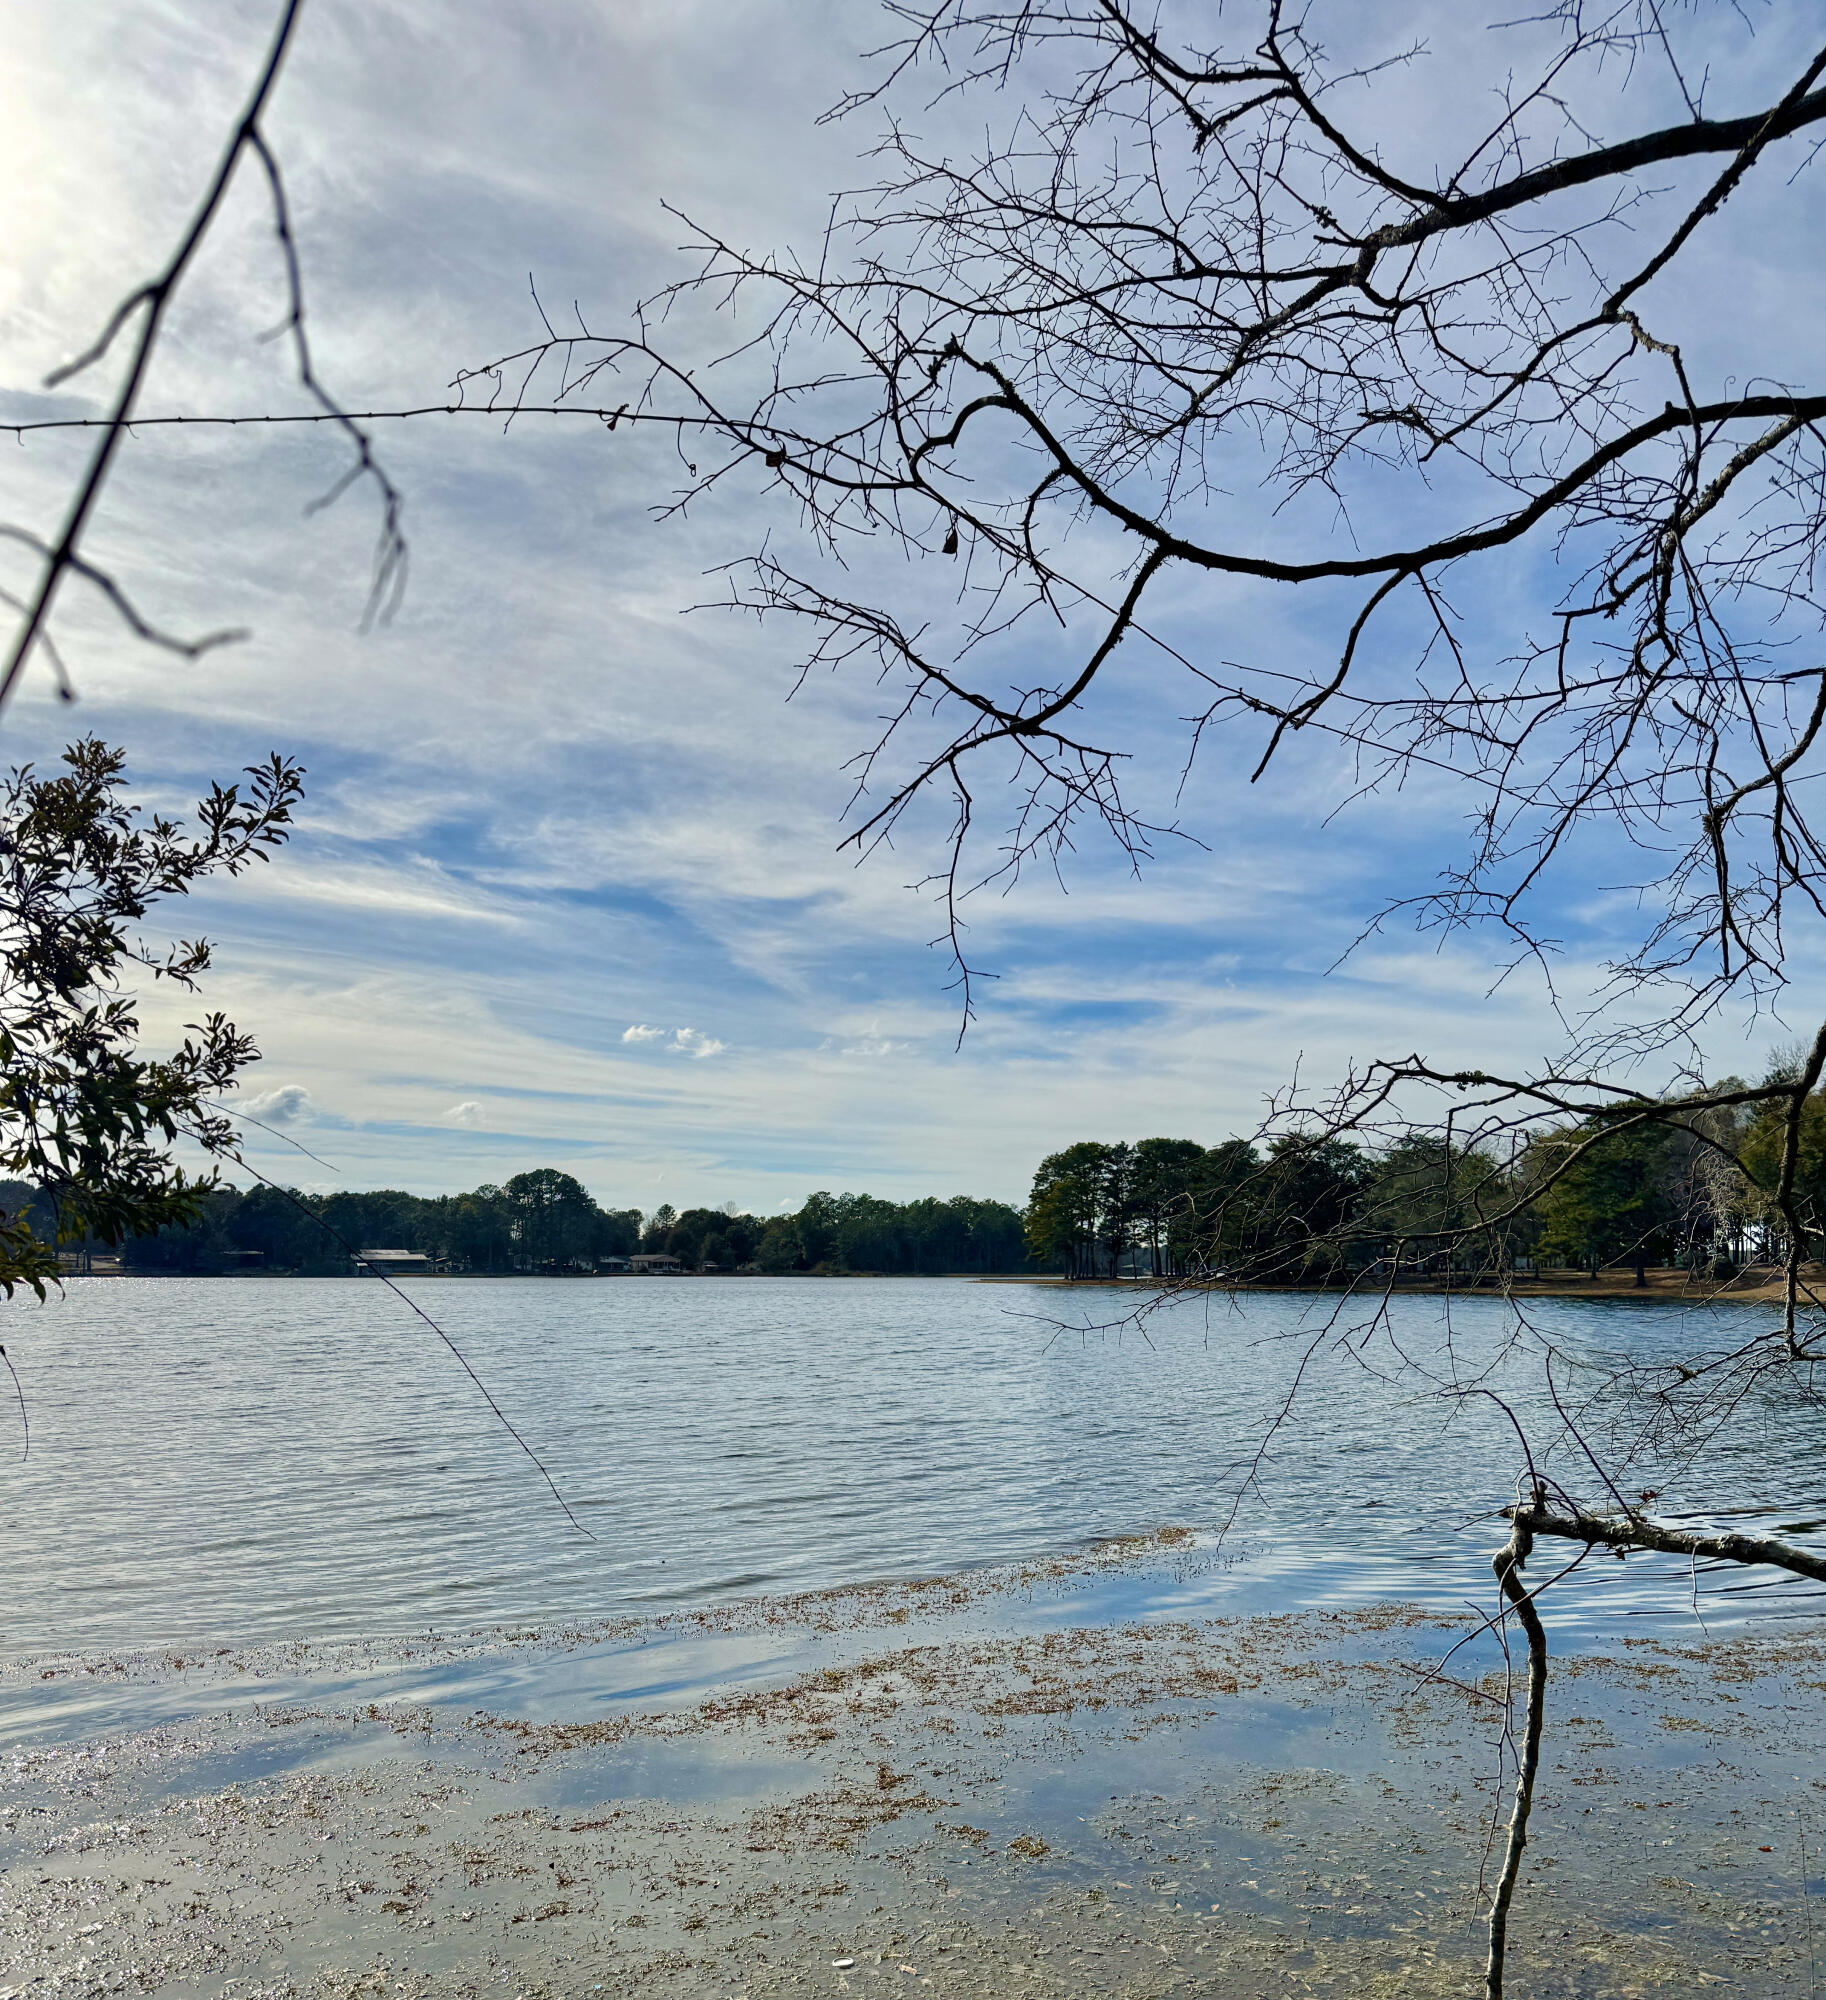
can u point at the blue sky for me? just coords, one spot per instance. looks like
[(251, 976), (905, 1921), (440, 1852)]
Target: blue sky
[(568, 886)]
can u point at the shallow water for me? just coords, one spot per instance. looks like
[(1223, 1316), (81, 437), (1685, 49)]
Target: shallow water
[(262, 1460)]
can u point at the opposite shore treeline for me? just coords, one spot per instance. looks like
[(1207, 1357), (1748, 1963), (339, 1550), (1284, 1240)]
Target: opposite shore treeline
[(1600, 1192), (547, 1222)]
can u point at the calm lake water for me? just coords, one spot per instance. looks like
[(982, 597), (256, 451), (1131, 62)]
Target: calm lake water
[(276, 1459)]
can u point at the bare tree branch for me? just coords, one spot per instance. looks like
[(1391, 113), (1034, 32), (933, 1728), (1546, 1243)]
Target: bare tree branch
[(147, 305)]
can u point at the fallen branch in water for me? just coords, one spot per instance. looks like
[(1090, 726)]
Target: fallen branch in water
[(1636, 1533)]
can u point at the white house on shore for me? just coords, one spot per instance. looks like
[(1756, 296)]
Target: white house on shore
[(391, 1263)]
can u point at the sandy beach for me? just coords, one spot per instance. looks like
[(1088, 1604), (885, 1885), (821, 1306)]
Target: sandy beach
[(911, 1798)]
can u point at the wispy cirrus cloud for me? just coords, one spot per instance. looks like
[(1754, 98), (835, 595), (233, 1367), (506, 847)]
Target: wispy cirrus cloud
[(675, 1041), (869, 1046)]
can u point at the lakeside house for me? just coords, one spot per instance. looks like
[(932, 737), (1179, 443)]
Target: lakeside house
[(656, 1264), (88, 1264), (392, 1263)]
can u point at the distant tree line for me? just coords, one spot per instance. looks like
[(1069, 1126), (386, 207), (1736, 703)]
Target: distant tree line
[(539, 1221), (850, 1232), (548, 1222), (1695, 1191), (1171, 1208)]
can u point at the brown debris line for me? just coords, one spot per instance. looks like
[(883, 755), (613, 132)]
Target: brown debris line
[(1796, 1657), (836, 1608), (855, 1606), (1144, 1672), (835, 1818)]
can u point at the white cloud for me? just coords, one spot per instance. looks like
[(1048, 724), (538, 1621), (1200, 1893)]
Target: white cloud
[(677, 1042), (469, 1112), (416, 890), (688, 1042), (869, 1046), (286, 1105)]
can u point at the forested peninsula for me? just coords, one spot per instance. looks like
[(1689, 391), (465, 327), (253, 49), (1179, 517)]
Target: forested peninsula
[(1650, 1182)]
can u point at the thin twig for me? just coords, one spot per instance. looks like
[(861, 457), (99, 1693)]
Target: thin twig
[(463, 1362)]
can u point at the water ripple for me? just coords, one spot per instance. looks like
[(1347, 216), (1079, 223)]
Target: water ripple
[(273, 1459)]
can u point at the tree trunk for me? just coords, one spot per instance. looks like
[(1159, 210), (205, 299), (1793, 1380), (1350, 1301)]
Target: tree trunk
[(1508, 1565)]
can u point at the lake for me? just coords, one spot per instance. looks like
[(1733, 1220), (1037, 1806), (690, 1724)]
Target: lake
[(261, 1460)]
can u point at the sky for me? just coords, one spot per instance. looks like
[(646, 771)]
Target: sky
[(568, 888)]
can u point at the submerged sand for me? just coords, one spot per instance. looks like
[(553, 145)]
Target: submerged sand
[(1170, 1807)]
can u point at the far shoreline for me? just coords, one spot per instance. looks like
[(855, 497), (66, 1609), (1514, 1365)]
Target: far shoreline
[(1754, 1285)]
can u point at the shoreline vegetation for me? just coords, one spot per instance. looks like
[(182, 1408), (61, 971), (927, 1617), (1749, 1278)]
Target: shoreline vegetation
[(546, 1224), (1705, 1194), (1573, 1212)]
